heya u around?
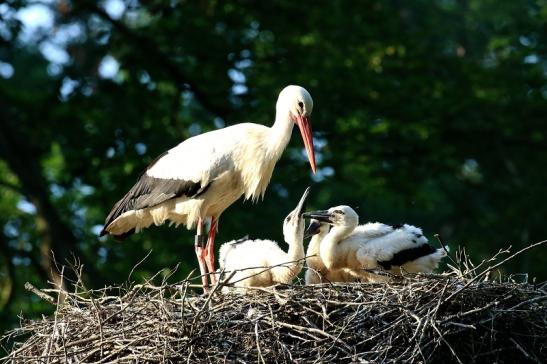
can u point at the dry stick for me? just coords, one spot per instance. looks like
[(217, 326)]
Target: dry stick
[(183, 301), (491, 259), (419, 297), (478, 309), (440, 240), (42, 295), (56, 311), (217, 287), (309, 330), (94, 303), (139, 263), (55, 322), (536, 299), (438, 305), (441, 336), (258, 344), (528, 356), (478, 276)]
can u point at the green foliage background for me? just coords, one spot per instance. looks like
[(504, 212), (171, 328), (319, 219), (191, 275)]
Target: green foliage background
[(427, 112)]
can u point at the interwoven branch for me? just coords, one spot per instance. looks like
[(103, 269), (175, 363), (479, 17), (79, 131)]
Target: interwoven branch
[(459, 317)]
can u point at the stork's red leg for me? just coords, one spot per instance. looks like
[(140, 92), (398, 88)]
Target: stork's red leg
[(210, 250), (201, 253)]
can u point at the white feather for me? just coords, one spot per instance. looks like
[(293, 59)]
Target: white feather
[(316, 271), (261, 263), (360, 248), (230, 162)]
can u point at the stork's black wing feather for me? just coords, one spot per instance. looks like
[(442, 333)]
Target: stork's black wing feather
[(407, 255), (151, 191)]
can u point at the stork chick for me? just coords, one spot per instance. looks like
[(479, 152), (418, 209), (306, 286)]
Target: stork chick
[(376, 246), (317, 272), (262, 263)]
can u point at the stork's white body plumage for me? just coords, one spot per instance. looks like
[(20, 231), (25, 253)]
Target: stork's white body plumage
[(262, 263), (374, 246), (239, 159), (205, 174)]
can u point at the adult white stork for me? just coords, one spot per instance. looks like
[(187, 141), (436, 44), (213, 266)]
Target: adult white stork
[(205, 174), (397, 249)]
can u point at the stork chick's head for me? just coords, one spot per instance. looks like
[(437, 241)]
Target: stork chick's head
[(339, 216), (316, 227), (296, 101), (293, 226)]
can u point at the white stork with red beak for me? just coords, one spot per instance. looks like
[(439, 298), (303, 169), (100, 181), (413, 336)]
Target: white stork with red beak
[(205, 174)]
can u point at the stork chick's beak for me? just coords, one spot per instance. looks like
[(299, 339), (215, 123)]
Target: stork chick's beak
[(304, 124), (321, 215), (312, 229), (302, 203)]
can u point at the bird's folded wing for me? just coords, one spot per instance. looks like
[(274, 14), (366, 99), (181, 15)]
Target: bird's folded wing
[(186, 170)]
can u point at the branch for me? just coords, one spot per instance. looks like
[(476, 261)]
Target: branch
[(486, 271), (150, 49), (42, 295), (17, 150), (4, 247), (12, 187)]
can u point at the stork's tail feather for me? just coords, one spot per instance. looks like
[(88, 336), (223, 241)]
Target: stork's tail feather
[(120, 237), (150, 192)]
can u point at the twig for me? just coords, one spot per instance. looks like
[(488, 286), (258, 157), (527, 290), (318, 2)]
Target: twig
[(42, 295), (401, 321), (478, 276)]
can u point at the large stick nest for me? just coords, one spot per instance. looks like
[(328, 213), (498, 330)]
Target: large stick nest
[(460, 317)]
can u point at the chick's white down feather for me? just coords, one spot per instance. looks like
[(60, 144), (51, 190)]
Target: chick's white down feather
[(316, 271), (259, 263), (262, 263), (374, 245)]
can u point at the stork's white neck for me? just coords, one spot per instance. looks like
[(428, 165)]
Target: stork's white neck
[(313, 256), (315, 243), (290, 264), (329, 249), (280, 133), (296, 247), (262, 156)]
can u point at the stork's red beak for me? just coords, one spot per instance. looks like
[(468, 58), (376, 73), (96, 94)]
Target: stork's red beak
[(304, 124)]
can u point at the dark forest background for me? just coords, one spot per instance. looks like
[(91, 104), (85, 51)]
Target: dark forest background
[(427, 112)]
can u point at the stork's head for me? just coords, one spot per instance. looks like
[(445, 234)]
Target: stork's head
[(293, 226), (297, 102), (339, 216), (316, 227)]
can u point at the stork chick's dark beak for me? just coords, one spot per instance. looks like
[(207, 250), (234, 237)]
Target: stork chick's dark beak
[(312, 229), (321, 215), (302, 203)]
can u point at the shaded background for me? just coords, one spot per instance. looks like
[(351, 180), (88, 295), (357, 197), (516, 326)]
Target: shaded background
[(427, 112)]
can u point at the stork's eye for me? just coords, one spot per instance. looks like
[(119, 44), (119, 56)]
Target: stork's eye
[(288, 219), (301, 105), (338, 212)]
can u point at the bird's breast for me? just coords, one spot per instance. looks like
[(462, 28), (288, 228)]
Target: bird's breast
[(224, 191)]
